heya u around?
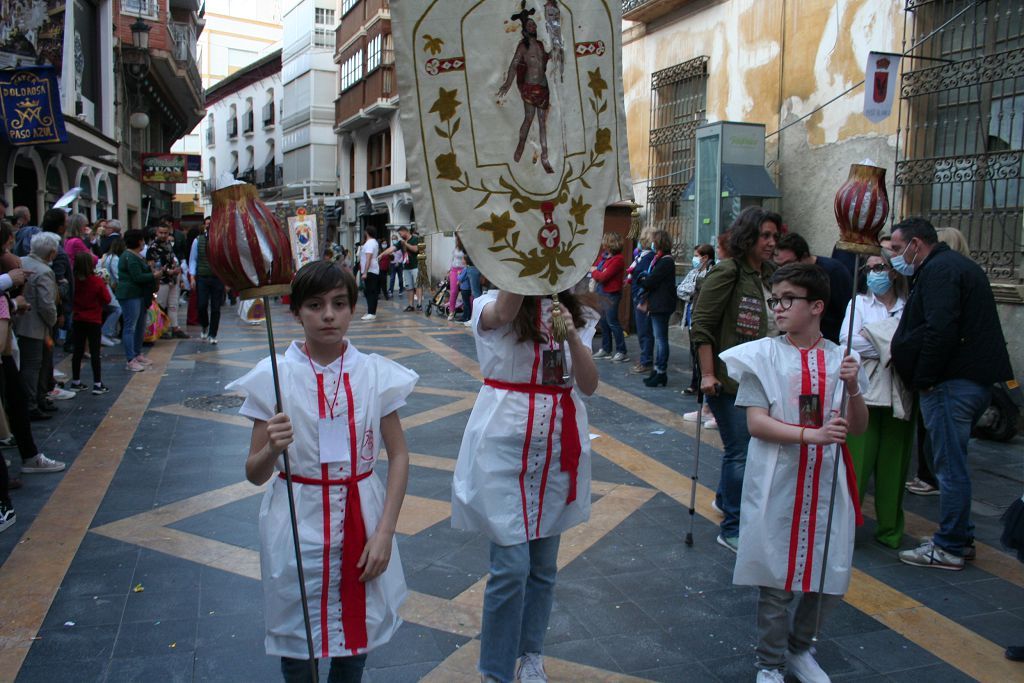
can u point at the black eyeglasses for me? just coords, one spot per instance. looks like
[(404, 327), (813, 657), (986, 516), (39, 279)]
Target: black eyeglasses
[(877, 268), (786, 302)]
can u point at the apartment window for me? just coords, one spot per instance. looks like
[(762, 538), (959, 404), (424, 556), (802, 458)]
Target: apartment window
[(378, 160), (373, 51), (142, 8), (352, 70), (347, 5), (324, 17), (352, 167)]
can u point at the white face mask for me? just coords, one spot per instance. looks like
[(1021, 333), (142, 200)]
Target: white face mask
[(696, 261), (900, 264)]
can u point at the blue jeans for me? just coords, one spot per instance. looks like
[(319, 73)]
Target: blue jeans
[(659, 325), (950, 411), (113, 313), (517, 604), (473, 275), (644, 335), (610, 324), (133, 332), (732, 425)]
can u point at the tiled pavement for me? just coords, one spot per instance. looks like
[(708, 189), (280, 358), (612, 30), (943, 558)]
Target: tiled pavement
[(139, 562)]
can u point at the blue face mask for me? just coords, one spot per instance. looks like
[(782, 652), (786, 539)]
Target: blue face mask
[(900, 265), (879, 283), (696, 261), (652, 247)]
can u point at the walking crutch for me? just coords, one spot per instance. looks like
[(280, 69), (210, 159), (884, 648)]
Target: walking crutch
[(696, 467)]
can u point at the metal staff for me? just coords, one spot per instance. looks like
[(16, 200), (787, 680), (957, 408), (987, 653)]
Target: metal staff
[(838, 455), (265, 294), (696, 466)]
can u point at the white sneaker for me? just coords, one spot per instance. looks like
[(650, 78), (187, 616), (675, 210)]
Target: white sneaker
[(710, 424), (714, 506), (805, 668), (531, 669), (212, 341), (770, 676), (135, 367), (40, 464), (620, 358), (59, 394), (369, 316), (107, 341), (601, 353), (691, 416), (58, 375), (7, 515), (468, 323), (203, 335)]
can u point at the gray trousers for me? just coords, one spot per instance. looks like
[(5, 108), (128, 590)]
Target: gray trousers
[(31, 369), (780, 629)]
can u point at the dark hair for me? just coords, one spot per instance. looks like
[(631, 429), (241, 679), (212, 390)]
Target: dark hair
[(53, 220), (84, 265), (793, 242), (722, 243), (525, 323), (662, 241), (746, 229), (117, 246), (705, 250), (319, 277), (6, 233), (919, 227), (810, 276), (133, 238)]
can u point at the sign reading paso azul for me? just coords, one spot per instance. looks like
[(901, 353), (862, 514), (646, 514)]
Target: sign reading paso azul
[(30, 106)]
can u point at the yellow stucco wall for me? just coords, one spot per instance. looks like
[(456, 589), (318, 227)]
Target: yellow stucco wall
[(821, 51)]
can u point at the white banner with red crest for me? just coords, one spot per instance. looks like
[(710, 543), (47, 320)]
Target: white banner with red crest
[(515, 130), (881, 79)]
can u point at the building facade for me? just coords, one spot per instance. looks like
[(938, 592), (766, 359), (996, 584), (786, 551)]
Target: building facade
[(953, 146), (243, 137)]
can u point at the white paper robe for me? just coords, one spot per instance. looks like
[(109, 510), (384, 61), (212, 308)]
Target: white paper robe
[(508, 481), (379, 387), (786, 488)]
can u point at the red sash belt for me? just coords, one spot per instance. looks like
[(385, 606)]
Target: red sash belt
[(353, 591), (569, 460)]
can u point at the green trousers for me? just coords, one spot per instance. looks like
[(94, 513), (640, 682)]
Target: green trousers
[(883, 451)]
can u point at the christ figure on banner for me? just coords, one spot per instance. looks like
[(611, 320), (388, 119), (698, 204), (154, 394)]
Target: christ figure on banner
[(529, 69)]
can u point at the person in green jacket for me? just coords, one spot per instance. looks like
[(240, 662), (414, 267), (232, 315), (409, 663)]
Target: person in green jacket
[(136, 283), (732, 309)]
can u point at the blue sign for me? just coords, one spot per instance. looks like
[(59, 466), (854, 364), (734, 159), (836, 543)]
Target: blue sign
[(30, 106)]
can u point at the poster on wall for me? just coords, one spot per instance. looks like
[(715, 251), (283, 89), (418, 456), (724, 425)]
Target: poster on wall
[(880, 80), (30, 111), (302, 229), (515, 130)]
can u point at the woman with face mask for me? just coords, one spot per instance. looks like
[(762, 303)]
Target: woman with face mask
[(884, 450)]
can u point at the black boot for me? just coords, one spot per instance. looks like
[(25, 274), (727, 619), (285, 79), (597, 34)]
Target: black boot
[(657, 379)]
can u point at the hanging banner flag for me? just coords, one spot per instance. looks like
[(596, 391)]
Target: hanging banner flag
[(515, 130), (30, 106), (302, 230), (880, 80)]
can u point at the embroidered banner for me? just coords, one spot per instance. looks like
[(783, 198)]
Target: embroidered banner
[(515, 130), (30, 106)]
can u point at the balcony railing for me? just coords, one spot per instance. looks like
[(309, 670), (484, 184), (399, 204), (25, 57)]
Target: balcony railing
[(649, 10), (273, 175), (233, 128), (249, 176), (184, 37), (141, 8), (366, 95), (247, 123), (268, 114)]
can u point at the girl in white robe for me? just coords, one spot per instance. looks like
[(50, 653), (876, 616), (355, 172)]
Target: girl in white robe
[(523, 473), (338, 405)]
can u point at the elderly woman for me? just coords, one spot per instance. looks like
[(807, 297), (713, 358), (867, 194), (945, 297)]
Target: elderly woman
[(74, 237), (883, 451), (733, 309), (609, 274), (642, 257), (33, 327)]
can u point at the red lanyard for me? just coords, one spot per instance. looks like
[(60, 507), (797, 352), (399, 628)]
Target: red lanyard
[(320, 382)]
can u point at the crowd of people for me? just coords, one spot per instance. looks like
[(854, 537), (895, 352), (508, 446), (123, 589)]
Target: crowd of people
[(79, 287)]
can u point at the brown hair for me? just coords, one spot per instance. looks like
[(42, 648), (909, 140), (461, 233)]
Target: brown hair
[(706, 250), (612, 241), (320, 277), (84, 265), (525, 323), (746, 229), (662, 241)]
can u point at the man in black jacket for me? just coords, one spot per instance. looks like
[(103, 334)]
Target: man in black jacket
[(950, 348)]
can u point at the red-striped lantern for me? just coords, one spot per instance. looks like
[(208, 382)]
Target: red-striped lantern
[(248, 248), (861, 206)]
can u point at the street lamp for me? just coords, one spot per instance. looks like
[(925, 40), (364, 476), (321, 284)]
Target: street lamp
[(140, 34)]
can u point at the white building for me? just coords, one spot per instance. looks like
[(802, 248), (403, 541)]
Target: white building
[(237, 33), (307, 120), (242, 127)]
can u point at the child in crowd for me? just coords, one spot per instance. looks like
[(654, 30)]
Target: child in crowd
[(524, 487), (792, 388), (338, 406), (91, 295)]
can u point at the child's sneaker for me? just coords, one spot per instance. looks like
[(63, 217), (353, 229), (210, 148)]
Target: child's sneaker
[(7, 515), (805, 668), (40, 464), (930, 555), (77, 385), (770, 676), (99, 389), (531, 669)]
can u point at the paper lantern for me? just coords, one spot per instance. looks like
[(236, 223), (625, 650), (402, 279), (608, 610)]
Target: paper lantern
[(861, 206), (248, 248)]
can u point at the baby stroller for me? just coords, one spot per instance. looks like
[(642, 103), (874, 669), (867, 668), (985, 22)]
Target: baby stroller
[(439, 300)]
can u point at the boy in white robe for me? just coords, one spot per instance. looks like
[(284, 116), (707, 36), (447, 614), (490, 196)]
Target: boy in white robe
[(792, 388), (338, 406)]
